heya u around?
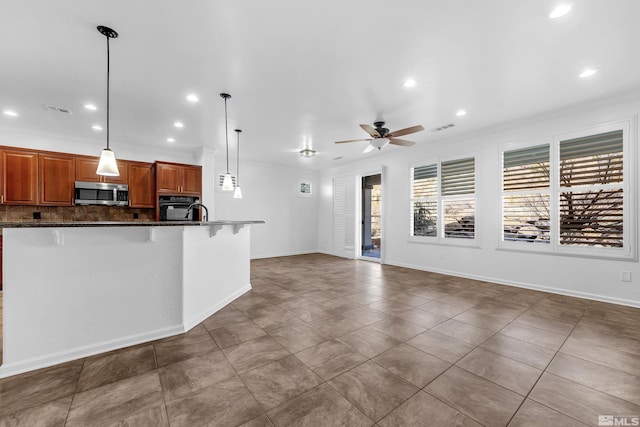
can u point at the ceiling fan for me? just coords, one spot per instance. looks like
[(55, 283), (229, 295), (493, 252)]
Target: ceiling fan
[(380, 136)]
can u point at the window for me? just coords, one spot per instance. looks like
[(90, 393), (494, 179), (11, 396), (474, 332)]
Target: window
[(575, 201), (443, 203), (591, 193), (526, 198)]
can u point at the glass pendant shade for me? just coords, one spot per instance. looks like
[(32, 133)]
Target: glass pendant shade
[(107, 165), (237, 193), (227, 183)]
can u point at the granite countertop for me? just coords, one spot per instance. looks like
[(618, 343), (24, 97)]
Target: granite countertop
[(122, 224)]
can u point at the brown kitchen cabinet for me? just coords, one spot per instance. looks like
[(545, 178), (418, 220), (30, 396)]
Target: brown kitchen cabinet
[(19, 177), (0, 264), (56, 173), (86, 171), (174, 178), (142, 185)]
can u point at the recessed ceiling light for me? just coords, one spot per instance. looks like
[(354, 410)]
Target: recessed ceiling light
[(192, 97), (560, 10), (461, 113), (588, 73), (96, 127), (90, 107), (171, 140), (10, 113), (179, 124), (307, 152), (409, 83)]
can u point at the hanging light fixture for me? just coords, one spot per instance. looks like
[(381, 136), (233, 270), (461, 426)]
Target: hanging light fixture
[(237, 194), (227, 182), (107, 165)]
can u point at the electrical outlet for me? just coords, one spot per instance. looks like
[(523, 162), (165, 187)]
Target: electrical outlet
[(36, 215), (135, 215), (625, 276)]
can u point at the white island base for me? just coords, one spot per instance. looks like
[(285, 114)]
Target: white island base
[(72, 292)]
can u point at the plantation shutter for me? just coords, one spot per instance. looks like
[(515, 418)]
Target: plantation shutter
[(458, 177), (526, 168), (591, 197), (424, 202)]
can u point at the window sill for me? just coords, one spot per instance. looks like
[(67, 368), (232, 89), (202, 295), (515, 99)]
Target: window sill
[(548, 250), (461, 243)]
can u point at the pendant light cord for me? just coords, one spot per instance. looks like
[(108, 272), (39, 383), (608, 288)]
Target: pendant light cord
[(108, 62), (226, 132), (238, 160)]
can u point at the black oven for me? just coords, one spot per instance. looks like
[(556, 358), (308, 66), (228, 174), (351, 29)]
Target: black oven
[(176, 208)]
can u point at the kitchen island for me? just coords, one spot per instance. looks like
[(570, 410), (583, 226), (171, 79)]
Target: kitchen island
[(76, 289)]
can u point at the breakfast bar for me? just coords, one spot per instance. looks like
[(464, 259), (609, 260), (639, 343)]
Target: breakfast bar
[(76, 289)]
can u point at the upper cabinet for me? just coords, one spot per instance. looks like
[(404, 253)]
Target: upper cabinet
[(86, 171), (142, 185), (56, 176), (19, 177), (174, 178)]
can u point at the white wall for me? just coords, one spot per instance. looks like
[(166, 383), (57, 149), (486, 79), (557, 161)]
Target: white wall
[(270, 194), (586, 277)]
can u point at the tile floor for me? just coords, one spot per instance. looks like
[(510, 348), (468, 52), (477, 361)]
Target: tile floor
[(324, 341)]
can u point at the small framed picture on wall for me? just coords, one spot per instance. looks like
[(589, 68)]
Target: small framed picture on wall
[(304, 188)]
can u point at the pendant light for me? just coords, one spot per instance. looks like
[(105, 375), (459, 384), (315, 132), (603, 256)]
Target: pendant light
[(107, 165), (237, 194), (227, 182)]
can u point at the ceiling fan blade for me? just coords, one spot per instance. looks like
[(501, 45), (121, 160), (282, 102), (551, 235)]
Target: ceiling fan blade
[(371, 131), (369, 148), (407, 131), (351, 140), (402, 142)]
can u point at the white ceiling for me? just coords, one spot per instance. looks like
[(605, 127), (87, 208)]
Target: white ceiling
[(305, 72)]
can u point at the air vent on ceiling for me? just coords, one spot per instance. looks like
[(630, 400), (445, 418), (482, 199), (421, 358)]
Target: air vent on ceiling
[(58, 109), (221, 180), (450, 125)]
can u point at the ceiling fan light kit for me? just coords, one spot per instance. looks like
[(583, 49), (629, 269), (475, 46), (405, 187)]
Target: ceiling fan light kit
[(107, 166), (381, 137)]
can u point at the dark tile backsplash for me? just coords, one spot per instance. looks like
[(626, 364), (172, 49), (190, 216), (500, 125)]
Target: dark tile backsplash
[(23, 213)]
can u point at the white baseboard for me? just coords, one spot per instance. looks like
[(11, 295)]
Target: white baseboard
[(281, 254), (195, 320), (560, 291), (9, 369)]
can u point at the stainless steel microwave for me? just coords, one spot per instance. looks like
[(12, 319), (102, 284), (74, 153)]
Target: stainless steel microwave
[(101, 193)]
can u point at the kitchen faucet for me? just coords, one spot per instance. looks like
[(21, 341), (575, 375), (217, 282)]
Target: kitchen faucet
[(206, 211)]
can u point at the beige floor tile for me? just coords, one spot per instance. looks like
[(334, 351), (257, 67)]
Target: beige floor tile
[(422, 318), (280, 381), (616, 383), (368, 342), (397, 328), (463, 331), (191, 375), (476, 397), (180, 347), (531, 354), (533, 414), (336, 326), (577, 401), (52, 413), (227, 403), (322, 406), (373, 389), (298, 337), (411, 364), (423, 409), (235, 333), (441, 346), (331, 358), (535, 336), (501, 370)]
